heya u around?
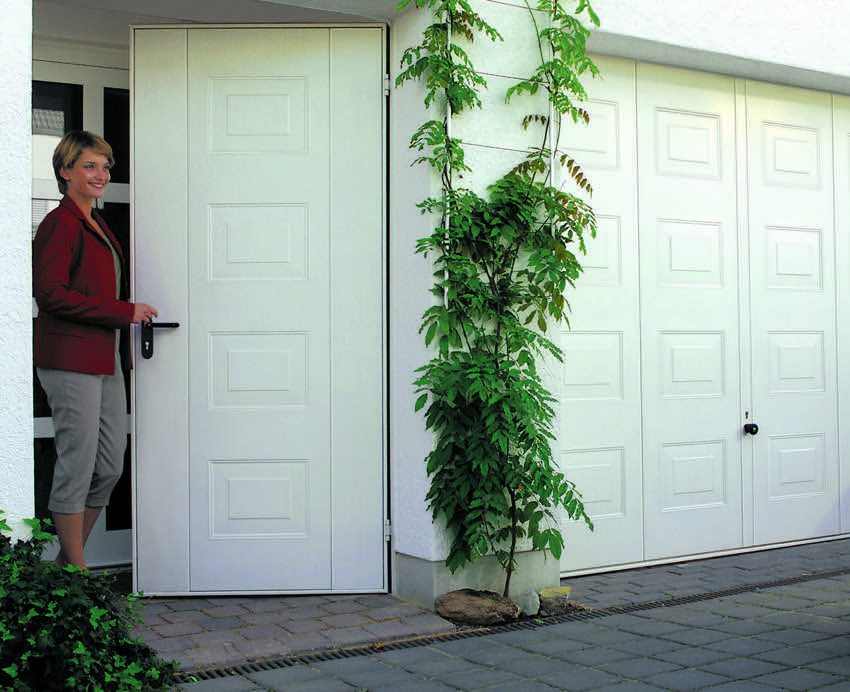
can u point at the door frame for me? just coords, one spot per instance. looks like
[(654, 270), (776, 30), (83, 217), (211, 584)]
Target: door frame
[(174, 579)]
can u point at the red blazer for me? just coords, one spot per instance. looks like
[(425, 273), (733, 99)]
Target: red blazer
[(74, 287)]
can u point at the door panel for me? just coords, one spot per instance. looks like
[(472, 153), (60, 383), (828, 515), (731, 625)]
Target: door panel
[(601, 375), (792, 286), (274, 446), (689, 306)]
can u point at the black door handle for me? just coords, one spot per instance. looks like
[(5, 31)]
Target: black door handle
[(751, 428), (147, 334)]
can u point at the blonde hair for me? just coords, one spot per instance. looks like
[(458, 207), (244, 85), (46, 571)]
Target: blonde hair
[(69, 149)]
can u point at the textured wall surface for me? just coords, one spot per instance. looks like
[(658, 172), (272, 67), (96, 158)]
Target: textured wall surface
[(16, 448), (781, 41)]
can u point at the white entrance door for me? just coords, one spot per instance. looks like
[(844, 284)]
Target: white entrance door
[(792, 285), (258, 225)]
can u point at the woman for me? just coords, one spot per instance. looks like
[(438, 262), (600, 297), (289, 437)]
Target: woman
[(81, 292)]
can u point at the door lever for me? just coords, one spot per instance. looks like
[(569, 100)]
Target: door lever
[(147, 334)]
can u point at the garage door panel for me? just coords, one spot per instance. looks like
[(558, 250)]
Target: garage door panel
[(689, 303), (793, 322), (599, 421)]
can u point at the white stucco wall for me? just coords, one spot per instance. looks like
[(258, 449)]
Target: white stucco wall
[(410, 283), (16, 446), (782, 41)]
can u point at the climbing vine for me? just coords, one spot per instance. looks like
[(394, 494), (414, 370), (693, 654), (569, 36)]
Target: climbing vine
[(502, 263)]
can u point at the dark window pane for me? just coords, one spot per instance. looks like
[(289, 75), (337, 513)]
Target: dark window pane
[(45, 460), (116, 130), (56, 108), (118, 513)]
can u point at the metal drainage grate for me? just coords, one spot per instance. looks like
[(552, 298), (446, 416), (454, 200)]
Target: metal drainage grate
[(529, 624)]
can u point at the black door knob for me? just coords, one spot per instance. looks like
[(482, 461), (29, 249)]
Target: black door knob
[(751, 428)]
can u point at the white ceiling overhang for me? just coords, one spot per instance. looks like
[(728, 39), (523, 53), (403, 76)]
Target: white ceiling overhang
[(239, 11)]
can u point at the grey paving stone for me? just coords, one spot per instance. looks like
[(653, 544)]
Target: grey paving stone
[(638, 668), (348, 636), (428, 623), (527, 665), (220, 655), (392, 612), (222, 637), (263, 649), (794, 656), (217, 624), (742, 686), (286, 674), (594, 656), (744, 646), (267, 631), (697, 636), (840, 665), (479, 678), (744, 627), (177, 629), (180, 616), (555, 647), (687, 679), (307, 642), (580, 679), (344, 606), (793, 637), (228, 684), (417, 686), (742, 668), (798, 679), (303, 626), (345, 620), (691, 656), (172, 644), (262, 618)]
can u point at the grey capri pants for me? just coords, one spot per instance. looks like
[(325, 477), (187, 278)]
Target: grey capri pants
[(90, 424)]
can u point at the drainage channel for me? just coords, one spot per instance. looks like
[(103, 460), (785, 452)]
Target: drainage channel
[(527, 624)]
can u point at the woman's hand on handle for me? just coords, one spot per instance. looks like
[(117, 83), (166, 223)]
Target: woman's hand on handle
[(142, 312)]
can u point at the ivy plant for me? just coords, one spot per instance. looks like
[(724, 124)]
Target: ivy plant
[(502, 264), (65, 629)]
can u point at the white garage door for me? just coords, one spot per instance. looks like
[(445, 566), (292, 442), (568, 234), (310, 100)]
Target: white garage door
[(709, 301)]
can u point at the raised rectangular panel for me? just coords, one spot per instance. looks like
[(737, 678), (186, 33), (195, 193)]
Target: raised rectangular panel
[(794, 258), (692, 364), (687, 144), (597, 144), (264, 498), (690, 253), (693, 475), (796, 362), (796, 465), (599, 475), (258, 370), (604, 260), (251, 242), (257, 115), (792, 155), (593, 365)]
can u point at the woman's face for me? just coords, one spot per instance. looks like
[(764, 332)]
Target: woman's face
[(89, 176)]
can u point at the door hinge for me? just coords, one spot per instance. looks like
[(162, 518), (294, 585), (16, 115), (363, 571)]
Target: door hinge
[(386, 85), (388, 530)]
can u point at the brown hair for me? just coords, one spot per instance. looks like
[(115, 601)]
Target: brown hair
[(69, 149)]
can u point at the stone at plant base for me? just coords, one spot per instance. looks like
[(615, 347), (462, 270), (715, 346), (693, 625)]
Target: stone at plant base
[(528, 603), (554, 599), (475, 607)]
